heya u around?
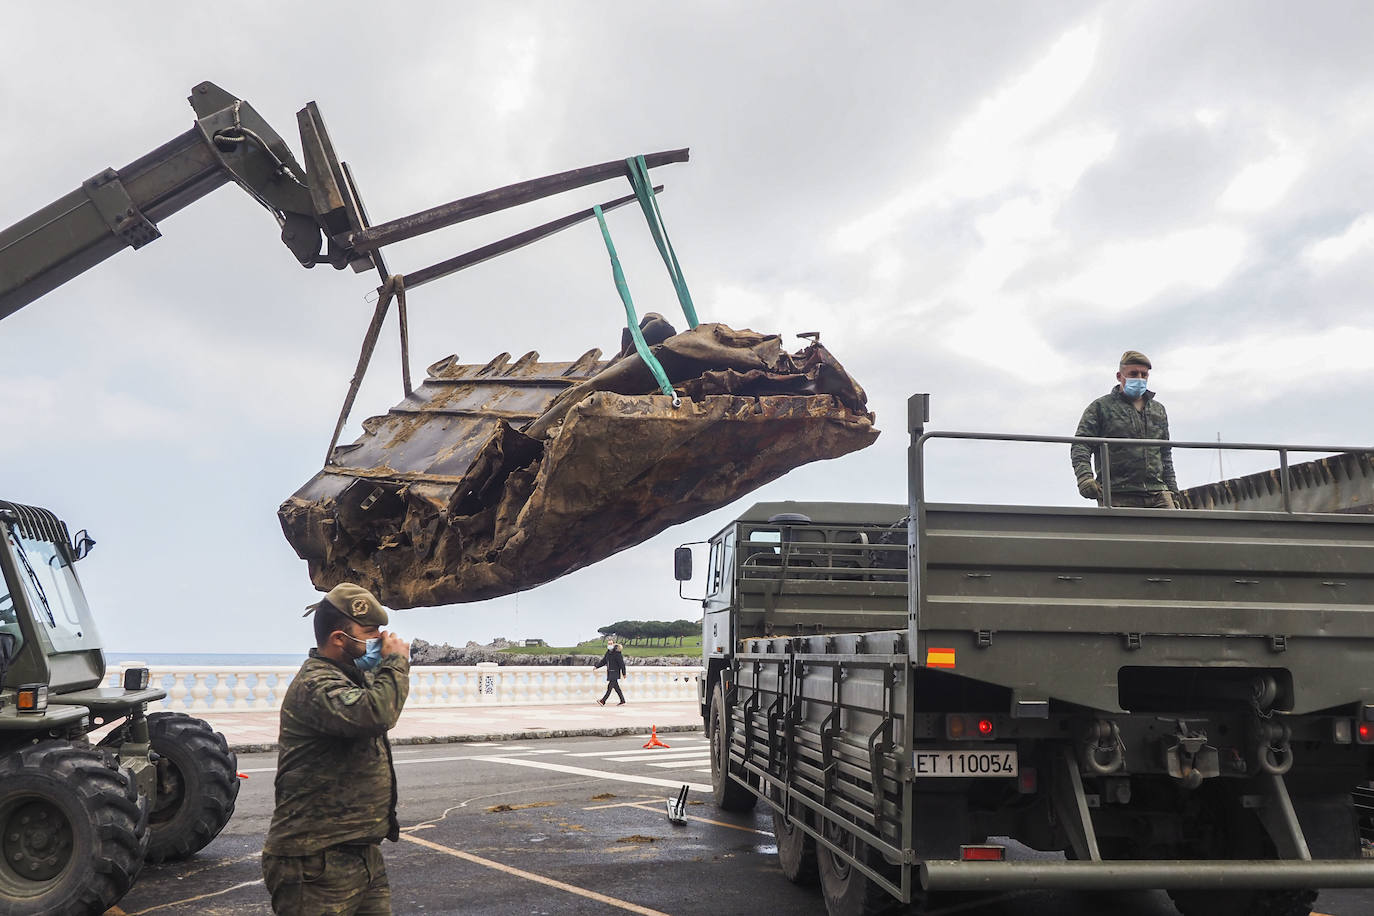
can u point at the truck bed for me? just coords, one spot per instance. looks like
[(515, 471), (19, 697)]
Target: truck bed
[(1003, 588)]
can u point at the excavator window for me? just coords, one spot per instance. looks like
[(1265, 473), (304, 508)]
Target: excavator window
[(53, 592)]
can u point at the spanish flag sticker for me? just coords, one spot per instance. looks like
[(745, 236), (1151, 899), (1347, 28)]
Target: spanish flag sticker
[(939, 658)]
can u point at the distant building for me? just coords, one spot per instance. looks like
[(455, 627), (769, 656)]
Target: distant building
[(533, 643)]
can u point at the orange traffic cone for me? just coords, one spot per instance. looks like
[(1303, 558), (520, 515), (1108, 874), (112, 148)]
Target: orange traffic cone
[(653, 738)]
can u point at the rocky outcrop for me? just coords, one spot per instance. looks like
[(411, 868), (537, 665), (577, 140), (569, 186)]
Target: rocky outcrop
[(428, 653)]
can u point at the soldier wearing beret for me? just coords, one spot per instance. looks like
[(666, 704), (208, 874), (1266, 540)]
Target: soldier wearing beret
[(1142, 477), (335, 785)]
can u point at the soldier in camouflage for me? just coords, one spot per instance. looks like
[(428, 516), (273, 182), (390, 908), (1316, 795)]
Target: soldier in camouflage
[(336, 786), (1141, 477)]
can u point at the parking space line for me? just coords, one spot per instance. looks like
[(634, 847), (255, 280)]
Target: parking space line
[(163, 906), (603, 774), (531, 876)]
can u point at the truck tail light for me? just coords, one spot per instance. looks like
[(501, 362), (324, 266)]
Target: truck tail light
[(1340, 731), (1365, 732), (983, 853), (1026, 781), (961, 727)]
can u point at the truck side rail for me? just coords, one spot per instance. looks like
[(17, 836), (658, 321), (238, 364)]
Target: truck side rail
[(1257, 573)]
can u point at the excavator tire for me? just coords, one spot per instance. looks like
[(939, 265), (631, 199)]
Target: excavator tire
[(73, 830), (197, 784)]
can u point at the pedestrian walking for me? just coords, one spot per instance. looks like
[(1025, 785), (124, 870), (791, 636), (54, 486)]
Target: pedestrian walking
[(614, 663)]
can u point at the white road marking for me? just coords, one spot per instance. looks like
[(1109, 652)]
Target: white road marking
[(163, 906), (659, 754), (645, 806), (412, 760), (680, 764), (604, 774), (531, 876)]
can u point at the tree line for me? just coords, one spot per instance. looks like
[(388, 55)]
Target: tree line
[(651, 632)]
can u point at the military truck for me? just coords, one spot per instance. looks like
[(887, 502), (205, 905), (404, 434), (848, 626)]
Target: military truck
[(78, 821), (923, 694)]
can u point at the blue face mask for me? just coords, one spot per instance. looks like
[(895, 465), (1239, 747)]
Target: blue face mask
[(1134, 387), (372, 657)]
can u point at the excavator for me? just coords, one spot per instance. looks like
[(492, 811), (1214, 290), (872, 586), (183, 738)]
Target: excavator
[(485, 479)]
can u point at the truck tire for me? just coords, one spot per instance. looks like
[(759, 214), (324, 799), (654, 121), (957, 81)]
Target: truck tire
[(197, 784), (729, 794), (848, 891), (796, 850), (1287, 902), (73, 830)]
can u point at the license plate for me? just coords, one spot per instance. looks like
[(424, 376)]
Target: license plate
[(986, 762)]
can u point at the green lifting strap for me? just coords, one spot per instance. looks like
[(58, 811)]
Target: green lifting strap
[(631, 321), (648, 202)]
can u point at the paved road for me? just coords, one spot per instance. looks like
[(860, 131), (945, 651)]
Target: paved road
[(570, 826)]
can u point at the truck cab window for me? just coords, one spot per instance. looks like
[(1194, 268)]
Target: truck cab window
[(714, 582)]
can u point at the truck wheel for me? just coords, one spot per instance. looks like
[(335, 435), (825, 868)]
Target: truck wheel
[(796, 850), (1287, 902), (848, 891), (197, 784), (729, 794), (73, 830)]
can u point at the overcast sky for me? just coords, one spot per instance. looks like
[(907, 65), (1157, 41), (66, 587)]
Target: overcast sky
[(987, 202)]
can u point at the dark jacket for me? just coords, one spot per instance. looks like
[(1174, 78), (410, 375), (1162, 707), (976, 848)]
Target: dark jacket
[(614, 662), (335, 780), (1134, 470)]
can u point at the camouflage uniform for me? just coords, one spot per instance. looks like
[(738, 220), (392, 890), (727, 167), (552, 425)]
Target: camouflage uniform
[(1141, 477), (335, 789)]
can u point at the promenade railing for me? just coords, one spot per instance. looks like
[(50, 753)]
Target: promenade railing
[(211, 688)]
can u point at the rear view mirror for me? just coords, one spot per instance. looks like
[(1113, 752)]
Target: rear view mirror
[(82, 544), (682, 564)]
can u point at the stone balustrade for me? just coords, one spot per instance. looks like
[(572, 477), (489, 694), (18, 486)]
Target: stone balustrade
[(197, 688)]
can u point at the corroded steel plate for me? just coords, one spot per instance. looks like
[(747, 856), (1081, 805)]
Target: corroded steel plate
[(492, 479)]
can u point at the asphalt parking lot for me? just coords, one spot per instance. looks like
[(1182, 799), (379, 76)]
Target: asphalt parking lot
[(564, 827)]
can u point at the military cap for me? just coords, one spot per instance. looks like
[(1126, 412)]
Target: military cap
[(1135, 358), (358, 603)]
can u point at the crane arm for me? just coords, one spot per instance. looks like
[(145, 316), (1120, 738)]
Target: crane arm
[(120, 208), (316, 205)]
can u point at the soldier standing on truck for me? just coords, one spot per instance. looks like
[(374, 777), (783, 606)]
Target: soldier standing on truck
[(336, 785), (1142, 478)]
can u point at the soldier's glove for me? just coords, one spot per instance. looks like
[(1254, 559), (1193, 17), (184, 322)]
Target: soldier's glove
[(1089, 488)]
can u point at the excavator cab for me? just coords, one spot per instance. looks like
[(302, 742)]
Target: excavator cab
[(78, 819)]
